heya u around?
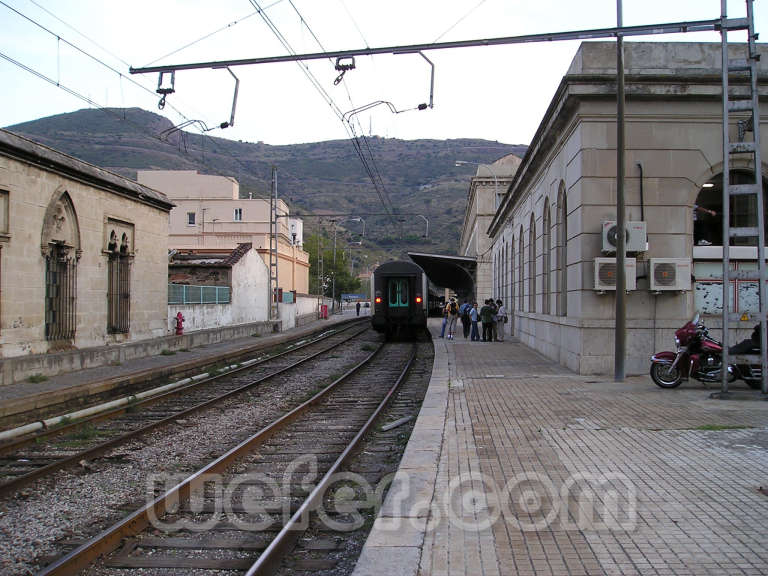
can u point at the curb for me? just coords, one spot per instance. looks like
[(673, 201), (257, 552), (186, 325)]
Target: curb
[(396, 541)]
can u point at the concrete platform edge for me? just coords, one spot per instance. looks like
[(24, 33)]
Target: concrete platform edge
[(396, 541), (11, 407)]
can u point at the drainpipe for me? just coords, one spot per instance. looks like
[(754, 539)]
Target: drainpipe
[(642, 202)]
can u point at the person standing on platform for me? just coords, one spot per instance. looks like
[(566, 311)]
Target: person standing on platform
[(473, 314), (466, 323), (446, 309), (357, 308), (453, 316), (486, 317), (501, 320), (494, 319)]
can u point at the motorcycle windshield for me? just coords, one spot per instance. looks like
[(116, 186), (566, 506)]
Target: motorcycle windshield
[(695, 319)]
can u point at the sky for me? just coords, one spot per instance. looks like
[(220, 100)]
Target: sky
[(497, 93)]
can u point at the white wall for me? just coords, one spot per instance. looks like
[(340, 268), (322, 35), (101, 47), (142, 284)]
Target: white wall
[(250, 281)]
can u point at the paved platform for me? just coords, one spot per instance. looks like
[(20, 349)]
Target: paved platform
[(25, 396), (517, 466)]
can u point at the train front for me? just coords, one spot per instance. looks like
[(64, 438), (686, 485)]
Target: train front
[(399, 299)]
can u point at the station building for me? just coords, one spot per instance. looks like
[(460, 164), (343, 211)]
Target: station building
[(554, 224), (83, 253), (209, 216)]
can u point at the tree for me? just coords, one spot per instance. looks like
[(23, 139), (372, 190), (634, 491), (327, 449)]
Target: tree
[(345, 282)]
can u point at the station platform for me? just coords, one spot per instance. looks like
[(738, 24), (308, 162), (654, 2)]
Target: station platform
[(518, 466), (78, 388)]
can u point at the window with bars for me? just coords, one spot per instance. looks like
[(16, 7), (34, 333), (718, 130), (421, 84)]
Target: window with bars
[(118, 294), (60, 293)]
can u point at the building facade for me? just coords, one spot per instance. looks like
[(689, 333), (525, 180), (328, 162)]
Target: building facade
[(210, 216), (555, 219), (485, 193), (83, 253)]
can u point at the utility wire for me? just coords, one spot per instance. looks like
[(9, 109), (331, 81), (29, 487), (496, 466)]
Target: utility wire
[(378, 181), (354, 22), (87, 54), (460, 20), (227, 27), (92, 41), (95, 104), (331, 102), (141, 130)]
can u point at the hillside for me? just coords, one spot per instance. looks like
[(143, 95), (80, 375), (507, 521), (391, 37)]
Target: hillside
[(419, 176)]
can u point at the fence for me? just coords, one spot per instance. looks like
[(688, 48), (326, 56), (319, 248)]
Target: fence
[(184, 294)]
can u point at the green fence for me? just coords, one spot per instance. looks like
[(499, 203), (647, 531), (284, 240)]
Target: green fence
[(183, 294)]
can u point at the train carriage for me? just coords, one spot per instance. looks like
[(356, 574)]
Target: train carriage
[(399, 295)]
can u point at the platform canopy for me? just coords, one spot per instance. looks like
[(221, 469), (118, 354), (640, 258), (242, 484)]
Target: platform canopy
[(456, 273)]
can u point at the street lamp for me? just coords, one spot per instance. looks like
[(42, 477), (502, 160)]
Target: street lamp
[(426, 233), (490, 169)]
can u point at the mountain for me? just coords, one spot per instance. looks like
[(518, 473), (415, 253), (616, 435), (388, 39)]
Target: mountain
[(416, 176)]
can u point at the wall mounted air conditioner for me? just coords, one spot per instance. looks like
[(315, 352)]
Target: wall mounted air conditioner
[(635, 237), (605, 274), (670, 274)]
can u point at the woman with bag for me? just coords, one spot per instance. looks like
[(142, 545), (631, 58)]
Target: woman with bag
[(501, 319)]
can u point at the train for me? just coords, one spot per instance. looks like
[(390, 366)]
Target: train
[(399, 293)]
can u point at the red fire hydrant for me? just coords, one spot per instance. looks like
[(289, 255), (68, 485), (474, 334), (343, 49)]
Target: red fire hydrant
[(179, 324)]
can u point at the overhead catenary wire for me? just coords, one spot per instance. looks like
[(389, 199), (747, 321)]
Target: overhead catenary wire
[(368, 166), (120, 75), (85, 53)]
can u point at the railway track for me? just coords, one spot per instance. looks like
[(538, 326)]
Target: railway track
[(34, 457), (244, 511)]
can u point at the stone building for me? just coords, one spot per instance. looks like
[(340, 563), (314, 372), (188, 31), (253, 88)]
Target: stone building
[(209, 216), (555, 219), (485, 193), (83, 253)]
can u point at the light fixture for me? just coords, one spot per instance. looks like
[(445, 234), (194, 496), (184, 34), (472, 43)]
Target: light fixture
[(708, 185)]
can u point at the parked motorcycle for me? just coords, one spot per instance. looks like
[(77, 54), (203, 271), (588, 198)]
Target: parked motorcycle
[(698, 356)]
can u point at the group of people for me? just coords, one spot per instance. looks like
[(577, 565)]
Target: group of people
[(493, 316)]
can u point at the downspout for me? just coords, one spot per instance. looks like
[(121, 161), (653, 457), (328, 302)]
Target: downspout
[(642, 203)]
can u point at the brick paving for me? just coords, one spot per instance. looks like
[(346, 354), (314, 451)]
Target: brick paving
[(545, 472)]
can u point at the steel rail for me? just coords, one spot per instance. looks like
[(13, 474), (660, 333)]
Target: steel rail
[(10, 446), (590, 34), (18, 482), (270, 559), (109, 539)]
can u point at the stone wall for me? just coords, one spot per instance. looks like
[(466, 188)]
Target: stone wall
[(32, 191)]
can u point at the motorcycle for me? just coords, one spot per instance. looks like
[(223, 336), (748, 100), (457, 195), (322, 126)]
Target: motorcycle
[(698, 356)]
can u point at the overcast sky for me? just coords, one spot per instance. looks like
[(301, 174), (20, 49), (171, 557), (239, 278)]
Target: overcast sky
[(498, 93)]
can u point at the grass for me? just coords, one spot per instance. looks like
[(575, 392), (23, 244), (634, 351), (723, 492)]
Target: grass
[(715, 427), (35, 378), (166, 352)]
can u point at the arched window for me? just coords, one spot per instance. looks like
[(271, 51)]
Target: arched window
[(545, 248), (562, 251), (532, 265), (521, 271), (60, 244)]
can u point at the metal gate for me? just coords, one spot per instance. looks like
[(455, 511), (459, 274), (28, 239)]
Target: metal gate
[(60, 294), (118, 294)]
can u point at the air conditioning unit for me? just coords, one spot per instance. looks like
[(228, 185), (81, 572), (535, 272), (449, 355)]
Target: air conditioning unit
[(605, 274), (670, 274), (635, 237)]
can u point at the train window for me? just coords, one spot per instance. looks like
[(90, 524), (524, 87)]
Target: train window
[(398, 292)]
